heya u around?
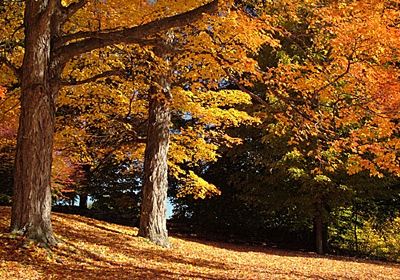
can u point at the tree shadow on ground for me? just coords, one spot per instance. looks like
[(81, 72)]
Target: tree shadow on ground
[(286, 253), (95, 250)]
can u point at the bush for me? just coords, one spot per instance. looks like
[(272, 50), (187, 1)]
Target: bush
[(382, 242)]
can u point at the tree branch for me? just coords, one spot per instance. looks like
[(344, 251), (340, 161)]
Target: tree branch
[(73, 8), (135, 35), (12, 67), (253, 96), (93, 78), (9, 109), (335, 80), (125, 139)]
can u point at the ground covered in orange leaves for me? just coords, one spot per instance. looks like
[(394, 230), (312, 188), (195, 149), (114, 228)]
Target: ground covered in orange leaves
[(92, 249)]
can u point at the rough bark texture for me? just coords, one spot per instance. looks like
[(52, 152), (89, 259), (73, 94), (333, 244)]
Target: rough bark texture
[(88, 41), (153, 221), (32, 195), (46, 52)]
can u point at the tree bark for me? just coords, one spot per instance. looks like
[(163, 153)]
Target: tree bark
[(153, 221), (47, 50), (83, 199), (32, 194), (355, 218), (320, 230), (81, 42)]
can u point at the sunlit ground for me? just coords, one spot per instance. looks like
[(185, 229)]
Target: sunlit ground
[(93, 249)]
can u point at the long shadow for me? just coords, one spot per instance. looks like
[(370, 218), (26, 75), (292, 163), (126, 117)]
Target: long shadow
[(75, 262), (286, 253), (123, 245), (131, 271), (92, 222), (101, 239), (168, 256), (81, 268), (110, 269), (145, 261), (251, 248)]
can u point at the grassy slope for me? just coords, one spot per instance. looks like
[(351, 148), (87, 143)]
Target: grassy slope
[(93, 249)]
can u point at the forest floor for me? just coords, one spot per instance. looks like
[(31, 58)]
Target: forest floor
[(93, 249)]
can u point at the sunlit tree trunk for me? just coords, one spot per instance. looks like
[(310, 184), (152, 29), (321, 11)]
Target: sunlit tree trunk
[(32, 195), (153, 222), (41, 71)]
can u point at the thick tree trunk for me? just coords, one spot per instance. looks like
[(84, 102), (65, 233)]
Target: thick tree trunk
[(153, 221), (32, 195), (41, 70)]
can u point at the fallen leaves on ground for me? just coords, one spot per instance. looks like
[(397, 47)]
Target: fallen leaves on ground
[(93, 249)]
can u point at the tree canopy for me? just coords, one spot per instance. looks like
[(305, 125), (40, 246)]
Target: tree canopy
[(262, 120)]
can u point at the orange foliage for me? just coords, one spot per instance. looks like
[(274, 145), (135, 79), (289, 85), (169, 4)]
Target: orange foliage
[(2, 92), (346, 93), (203, 54)]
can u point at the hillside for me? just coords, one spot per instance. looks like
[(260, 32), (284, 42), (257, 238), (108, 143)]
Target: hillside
[(93, 249)]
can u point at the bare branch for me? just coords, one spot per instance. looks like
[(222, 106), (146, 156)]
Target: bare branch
[(20, 27), (134, 35), (94, 35)]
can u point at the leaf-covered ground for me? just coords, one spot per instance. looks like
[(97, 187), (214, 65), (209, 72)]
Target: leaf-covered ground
[(93, 249)]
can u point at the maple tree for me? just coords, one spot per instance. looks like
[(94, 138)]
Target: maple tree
[(330, 114), (159, 95), (47, 48), (183, 101), (337, 105), (347, 95)]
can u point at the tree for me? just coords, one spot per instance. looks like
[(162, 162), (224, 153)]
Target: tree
[(336, 81), (47, 50), (153, 210), (330, 93), (198, 51)]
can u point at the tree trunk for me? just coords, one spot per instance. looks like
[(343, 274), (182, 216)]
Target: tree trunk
[(83, 195), (319, 243), (319, 230), (41, 69), (83, 199), (325, 236), (355, 218), (31, 207), (153, 221)]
